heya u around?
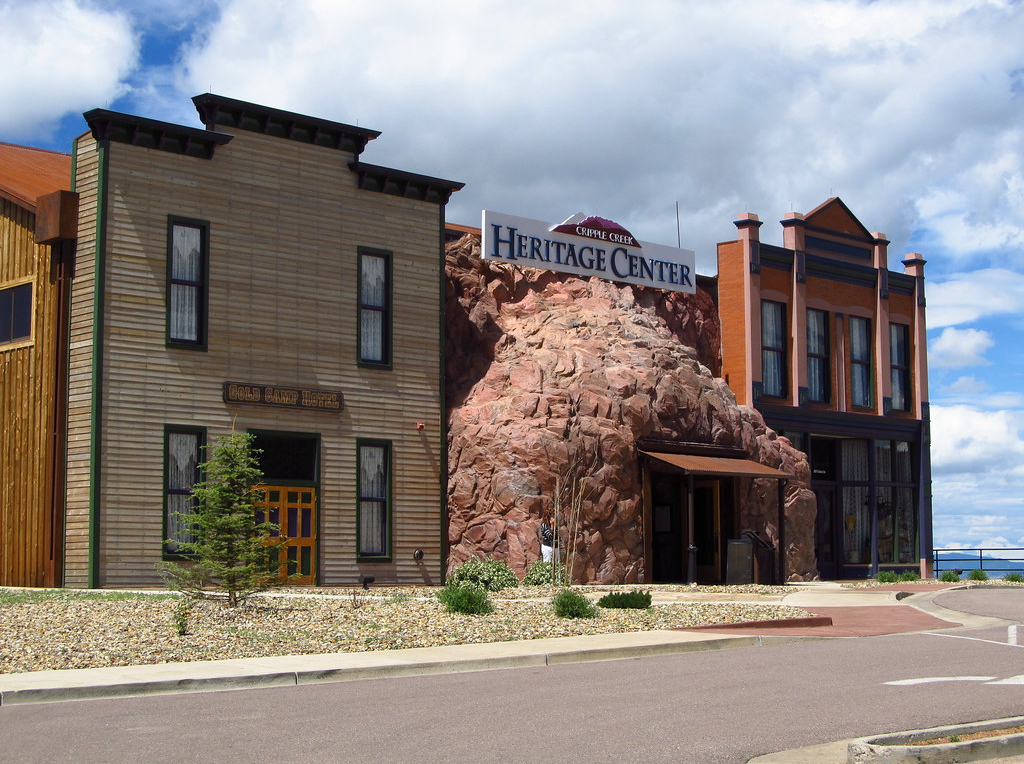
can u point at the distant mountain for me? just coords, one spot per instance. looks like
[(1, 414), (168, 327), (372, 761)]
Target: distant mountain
[(991, 564)]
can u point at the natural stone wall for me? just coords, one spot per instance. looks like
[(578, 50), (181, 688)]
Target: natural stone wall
[(542, 365)]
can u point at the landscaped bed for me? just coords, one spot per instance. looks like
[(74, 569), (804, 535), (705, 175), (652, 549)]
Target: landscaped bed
[(63, 629)]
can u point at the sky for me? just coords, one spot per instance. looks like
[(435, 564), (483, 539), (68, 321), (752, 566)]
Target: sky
[(910, 111)]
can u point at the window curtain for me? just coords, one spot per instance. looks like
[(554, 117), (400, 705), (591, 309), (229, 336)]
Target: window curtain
[(899, 367), (860, 362), (817, 356), (182, 470), (373, 299), (856, 512), (772, 342), (373, 482), (186, 274)]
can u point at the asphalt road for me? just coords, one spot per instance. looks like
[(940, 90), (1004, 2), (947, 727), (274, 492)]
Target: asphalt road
[(708, 707)]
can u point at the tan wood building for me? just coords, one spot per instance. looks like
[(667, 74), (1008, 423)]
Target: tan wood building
[(37, 220), (255, 276)]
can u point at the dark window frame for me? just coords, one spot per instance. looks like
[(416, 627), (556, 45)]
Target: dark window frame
[(201, 286), (778, 353), (862, 364), (16, 313), (386, 310), (170, 552), (899, 368), (385, 502), (819, 360)]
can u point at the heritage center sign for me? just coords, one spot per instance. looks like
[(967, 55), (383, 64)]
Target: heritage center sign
[(587, 246)]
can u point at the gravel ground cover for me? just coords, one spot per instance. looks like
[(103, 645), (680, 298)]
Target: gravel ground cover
[(60, 629)]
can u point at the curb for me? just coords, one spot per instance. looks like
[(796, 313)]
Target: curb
[(242, 674)]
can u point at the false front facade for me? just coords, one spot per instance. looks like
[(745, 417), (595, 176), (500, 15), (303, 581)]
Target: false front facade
[(255, 276)]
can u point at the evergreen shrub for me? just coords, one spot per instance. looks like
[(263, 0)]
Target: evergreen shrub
[(570, 604), (1014, 578), (909, 575), (634, 600), (886, 577), (491, 575), (949, 576), (977, 575), (465, 598), (540, 574)]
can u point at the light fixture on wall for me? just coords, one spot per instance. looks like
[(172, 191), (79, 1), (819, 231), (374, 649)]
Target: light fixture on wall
[(418, 555), (367, 580)]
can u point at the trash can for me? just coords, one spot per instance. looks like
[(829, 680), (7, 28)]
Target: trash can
[(739, 562)]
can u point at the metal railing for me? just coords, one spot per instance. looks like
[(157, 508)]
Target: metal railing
[(992, 560)]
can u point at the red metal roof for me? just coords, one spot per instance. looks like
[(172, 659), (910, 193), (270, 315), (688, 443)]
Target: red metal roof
[(716, 465), (27, 173)]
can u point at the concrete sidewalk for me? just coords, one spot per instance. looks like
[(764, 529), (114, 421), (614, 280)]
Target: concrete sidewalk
[(847, 612)]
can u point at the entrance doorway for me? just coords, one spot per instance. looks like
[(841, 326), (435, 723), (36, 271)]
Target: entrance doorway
[(290, 464), (707, 529)]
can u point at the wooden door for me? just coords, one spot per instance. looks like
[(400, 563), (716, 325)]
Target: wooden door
[(293, 510)]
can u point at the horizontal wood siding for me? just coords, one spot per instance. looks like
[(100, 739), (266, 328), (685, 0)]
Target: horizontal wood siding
[(80, 369), (286, 221), (27, 398)]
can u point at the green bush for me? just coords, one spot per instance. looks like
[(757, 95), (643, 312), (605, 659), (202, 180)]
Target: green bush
[(467, 598), (1014, 578), (910, 575), (886, 577), (492, 575), (977, 575), (570, 604), (635, 600), (539, 574), (949, 576)]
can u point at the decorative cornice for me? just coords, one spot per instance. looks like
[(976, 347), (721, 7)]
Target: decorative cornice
[(152, 134), (218, 111), (405, 184)]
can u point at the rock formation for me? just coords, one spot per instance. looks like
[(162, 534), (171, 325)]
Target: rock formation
[(543, 366)]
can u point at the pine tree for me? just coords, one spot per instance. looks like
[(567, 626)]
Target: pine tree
[(231, 551)]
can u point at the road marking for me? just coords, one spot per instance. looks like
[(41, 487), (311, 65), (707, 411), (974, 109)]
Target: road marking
[(1019, 679), (1011, 635), (971, 639), (930, 679)]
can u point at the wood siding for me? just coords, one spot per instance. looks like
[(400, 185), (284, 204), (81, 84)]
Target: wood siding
[(27, 382), (285, 224)]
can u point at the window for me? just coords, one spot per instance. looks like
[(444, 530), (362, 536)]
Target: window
[(374, 498), (819, 381), (186, 282), (374, 308), (860, 362), (15, 313), (773, 348), (899, 365), (182, 456)]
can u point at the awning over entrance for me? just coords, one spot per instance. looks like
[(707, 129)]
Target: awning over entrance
[(717, 466)]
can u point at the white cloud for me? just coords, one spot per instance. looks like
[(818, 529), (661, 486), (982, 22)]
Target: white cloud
[(956, 348), (972, 295), (968, 386), (905, 108), (987, 445), (60, 57)]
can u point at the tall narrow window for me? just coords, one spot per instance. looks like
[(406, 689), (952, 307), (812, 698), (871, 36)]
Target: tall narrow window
[(186, 282), (15, 313), (374, 307), (374, 498), (773, 348), (182, 456), (899, 365), (860, 362), (819, 381)]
